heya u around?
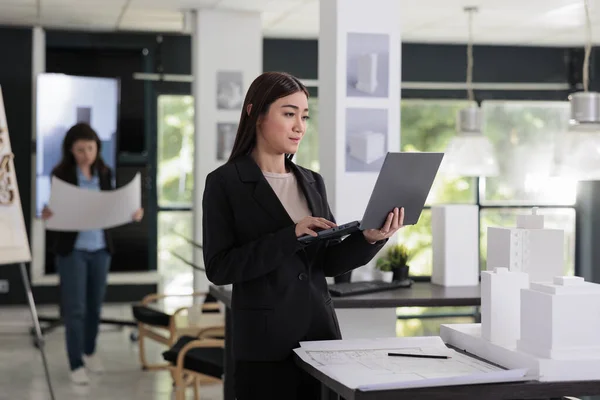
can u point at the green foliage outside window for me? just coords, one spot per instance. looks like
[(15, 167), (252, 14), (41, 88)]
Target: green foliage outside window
[(175, 150), (428, 125)]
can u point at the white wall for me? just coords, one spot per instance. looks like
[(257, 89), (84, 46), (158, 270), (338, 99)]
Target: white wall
[(225, 47)]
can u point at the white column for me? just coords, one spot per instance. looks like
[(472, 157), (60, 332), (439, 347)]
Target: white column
[(359, 115), (38, 231), (359, 97), (226, 58)]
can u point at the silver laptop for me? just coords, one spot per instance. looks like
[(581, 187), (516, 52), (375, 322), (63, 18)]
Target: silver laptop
[(405, 180)]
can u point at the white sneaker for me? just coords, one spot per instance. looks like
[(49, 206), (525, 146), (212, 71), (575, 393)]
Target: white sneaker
[(79, 376), (93, 363)]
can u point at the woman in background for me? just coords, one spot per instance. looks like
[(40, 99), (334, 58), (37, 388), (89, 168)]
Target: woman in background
[(83, 258), (255, 207)]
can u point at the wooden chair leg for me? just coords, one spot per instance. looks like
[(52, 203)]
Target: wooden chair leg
[(180, 385), (196, 388), (141, 337)]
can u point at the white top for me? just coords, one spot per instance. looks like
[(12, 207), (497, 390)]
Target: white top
[(290, 194)]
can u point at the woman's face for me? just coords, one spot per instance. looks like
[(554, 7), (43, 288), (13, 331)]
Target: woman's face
[(85, 152), (281, 129)]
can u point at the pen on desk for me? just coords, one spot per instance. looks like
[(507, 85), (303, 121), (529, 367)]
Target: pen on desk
[(417, 355)]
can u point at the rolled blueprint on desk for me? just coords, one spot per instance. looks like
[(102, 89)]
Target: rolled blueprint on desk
[(364, 364), (77, 209)]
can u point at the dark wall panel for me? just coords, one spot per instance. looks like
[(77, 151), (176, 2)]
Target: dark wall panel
[(171, 51), (298, 57), (448, 63)]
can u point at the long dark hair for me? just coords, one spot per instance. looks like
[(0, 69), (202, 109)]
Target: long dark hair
[(263, 92), (79, 131)]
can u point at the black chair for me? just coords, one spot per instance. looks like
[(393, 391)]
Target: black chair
[(196, 360), (160, 326)]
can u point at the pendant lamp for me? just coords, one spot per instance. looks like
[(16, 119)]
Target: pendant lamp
[(578, 152), (470, 153)]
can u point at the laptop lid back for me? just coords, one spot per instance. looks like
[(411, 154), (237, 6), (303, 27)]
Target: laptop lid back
[(405, 180)]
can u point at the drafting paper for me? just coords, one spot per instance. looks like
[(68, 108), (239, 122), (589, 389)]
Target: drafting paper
[(77, 209), (364, 364)]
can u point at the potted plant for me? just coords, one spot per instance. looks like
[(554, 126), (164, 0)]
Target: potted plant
[(394, 264)]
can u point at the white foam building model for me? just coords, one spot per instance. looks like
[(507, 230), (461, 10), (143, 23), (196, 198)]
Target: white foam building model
[(501, 306), (561, 319), (455, 244), (367, 73), (558, 316), (367, 146), (530, 248)]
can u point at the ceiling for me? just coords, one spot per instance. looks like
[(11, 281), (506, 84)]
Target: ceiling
[(520, 22)]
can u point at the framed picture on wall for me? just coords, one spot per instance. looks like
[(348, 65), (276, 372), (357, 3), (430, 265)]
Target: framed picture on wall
[(367, 65), (230, 90)]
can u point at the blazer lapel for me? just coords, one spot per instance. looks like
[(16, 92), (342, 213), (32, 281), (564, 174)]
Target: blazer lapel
[(264, 195)]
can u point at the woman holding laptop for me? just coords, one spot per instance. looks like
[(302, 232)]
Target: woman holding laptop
[(255, 207)]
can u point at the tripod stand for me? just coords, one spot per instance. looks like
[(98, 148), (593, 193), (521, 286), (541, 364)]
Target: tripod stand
[(39, 339)]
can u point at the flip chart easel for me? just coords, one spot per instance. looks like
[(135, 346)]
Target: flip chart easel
[(14, 245)]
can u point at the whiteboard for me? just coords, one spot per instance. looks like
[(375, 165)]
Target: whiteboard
[(14, 245)]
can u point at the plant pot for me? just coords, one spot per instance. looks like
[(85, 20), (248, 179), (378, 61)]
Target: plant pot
[(400, 273), (380, 275), (346, 277)]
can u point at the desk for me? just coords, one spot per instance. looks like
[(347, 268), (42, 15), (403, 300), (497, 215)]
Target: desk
[(421, 294), (492, 391)]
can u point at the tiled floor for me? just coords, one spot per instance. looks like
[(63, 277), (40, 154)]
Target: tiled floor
[(22, 374)]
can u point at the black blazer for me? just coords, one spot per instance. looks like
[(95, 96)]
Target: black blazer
[(64, 242), (280, 295)]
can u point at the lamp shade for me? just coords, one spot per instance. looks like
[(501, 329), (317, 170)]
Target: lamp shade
[(470, 153), (578, 152)]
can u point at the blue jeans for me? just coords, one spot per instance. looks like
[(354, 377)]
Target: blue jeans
[(83, 276)]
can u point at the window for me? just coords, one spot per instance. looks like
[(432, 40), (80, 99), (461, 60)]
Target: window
[(176, 275), (428, 125), (175, 180), (524, 134), (308, 152)]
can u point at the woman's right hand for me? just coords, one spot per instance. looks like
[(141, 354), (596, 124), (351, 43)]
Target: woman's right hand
[(308, 225), (46, 213)]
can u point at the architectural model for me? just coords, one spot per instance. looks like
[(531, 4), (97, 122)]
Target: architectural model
[(455, 244), (367, 73), (367, 146), (501, 305), (561, 319), (555, 319), (530, 248)]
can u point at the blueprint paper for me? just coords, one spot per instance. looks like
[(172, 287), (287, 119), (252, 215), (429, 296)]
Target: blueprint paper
[(364, 364), (77, 209)]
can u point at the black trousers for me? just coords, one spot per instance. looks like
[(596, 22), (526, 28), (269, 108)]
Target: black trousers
[(278, 380)]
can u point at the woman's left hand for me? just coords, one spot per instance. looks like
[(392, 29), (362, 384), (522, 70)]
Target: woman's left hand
[(138, 215), (394, 221)]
